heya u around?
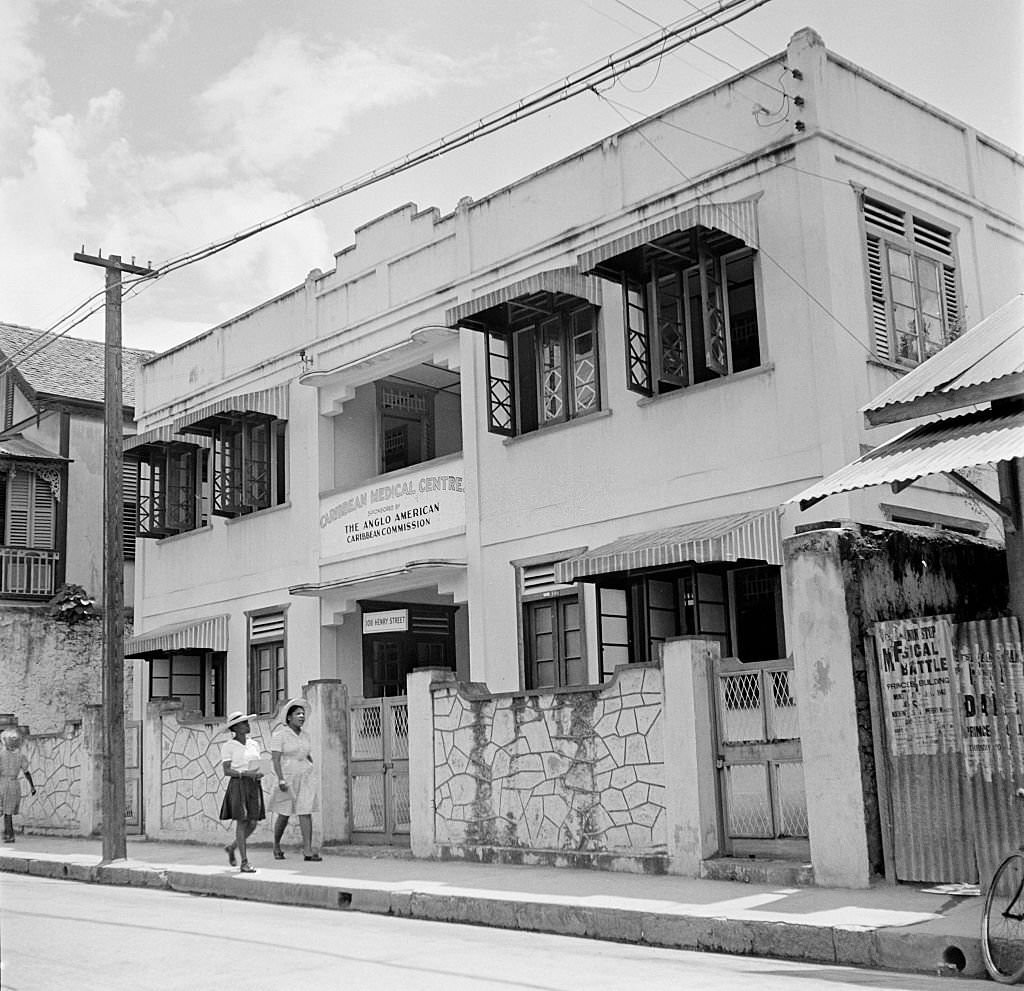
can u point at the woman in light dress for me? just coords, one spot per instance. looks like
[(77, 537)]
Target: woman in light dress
[(12, 763), (296, 792)]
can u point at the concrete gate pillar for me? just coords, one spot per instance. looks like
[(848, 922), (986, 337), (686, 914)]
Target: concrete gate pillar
[(327, 709), (819, 633), (690, 789), (421, 757)]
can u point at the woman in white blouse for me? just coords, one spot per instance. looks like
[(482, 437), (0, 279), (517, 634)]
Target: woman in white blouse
[(243, 801)]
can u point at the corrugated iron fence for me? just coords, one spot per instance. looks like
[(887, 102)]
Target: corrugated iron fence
[(948, 705)]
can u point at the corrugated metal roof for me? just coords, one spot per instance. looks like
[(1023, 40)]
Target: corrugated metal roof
[(944, 445), (70, 367), (754, 535), (991, 350)]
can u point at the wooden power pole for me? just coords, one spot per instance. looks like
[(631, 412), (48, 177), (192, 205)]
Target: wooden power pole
[(114, 845)]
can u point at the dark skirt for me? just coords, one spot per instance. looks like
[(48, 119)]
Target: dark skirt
[(243, 800)]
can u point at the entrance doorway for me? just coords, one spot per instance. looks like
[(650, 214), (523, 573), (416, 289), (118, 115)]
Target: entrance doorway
[(401, 636), (760, 761)]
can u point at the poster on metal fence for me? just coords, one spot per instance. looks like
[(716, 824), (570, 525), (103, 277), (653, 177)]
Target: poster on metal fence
[(990, 686), (915, 667)]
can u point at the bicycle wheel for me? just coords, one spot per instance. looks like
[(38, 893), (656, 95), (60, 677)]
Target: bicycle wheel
[(1002, 924)]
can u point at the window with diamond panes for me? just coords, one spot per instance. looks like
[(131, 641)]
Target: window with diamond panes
[(912, 282), (691, 323), (168, 488), (249, 465), (543, 372)]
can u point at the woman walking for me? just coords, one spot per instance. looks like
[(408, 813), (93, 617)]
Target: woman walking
[(12, 763), (296, 793), (243, 801)]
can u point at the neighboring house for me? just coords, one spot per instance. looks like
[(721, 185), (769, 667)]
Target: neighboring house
[(541, 436), (51, 511)]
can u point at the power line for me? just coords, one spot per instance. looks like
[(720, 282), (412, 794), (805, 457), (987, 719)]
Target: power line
[(623, 60)]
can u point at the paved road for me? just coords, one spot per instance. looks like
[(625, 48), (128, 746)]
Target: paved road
[(60, 935)]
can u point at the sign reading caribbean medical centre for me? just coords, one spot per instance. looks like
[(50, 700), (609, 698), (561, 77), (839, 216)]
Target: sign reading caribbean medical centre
[(408, 508)]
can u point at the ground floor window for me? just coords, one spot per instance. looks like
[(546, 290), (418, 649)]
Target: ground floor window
[(738, 605), (553, 643), (268, 670), (195, 679)]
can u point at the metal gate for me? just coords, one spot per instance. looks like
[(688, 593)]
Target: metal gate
[(760, 760), (132, 777), (379, 770)]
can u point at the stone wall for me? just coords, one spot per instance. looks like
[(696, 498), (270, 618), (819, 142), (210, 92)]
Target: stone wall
[(576, 774)]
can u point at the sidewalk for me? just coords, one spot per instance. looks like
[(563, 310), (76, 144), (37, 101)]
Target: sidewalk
[(894, 928)]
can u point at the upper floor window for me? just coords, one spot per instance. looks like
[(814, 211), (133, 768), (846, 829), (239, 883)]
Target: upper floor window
[(912, 279), (542, 369), (249, 464), (419, 416), (171, 487)]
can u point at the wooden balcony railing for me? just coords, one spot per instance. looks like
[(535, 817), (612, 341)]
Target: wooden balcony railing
[(27, 571)]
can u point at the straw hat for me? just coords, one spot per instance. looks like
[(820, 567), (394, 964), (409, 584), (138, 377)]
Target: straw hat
[(239, 717), (285, 709)]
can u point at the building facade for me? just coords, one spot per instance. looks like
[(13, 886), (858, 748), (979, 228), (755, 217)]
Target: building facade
[(551, 432)]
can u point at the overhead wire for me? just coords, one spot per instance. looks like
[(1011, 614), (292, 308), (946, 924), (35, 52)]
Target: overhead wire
[(590, 76)]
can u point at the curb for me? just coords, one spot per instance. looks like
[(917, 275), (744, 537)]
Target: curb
[(897, 949)]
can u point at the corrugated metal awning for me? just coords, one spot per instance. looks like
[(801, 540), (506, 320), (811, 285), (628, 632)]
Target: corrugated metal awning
[(739, 220), (754, 536), (964, 372), (160, 436), (941, 446), (558, 281), (271, 402), (208, 633)]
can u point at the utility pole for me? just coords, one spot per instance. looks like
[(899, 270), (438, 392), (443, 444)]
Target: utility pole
[(114, 845)]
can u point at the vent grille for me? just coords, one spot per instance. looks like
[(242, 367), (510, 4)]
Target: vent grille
[(268, 626), (929, 236), (539, 579), (431, 624), (883, 215)]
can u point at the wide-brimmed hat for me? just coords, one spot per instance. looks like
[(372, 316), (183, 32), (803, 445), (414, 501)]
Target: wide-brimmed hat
[(239, 717), (10, 733), (297, 703)]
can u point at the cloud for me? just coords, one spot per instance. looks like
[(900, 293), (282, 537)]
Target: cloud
[(292, 97), (156, 39)]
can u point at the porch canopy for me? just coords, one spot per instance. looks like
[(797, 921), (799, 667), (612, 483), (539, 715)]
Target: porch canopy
[(272, 402), (14, 447), (544, 291), (940, 447), (754, 536), (207, 633), (723, 227)]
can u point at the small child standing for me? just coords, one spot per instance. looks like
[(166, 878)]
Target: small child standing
[(12, 763)]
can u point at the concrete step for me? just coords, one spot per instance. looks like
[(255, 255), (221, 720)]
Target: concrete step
[(759, 870)]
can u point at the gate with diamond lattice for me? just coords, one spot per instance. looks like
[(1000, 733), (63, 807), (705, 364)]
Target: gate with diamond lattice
[(760, 760), (379, 770)]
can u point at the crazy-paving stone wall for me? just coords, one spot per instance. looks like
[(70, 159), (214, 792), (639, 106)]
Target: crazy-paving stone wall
[(577, 772), (192, 783), (55, 763)]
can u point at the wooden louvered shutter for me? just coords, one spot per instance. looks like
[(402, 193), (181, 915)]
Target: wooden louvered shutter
[(8, 390), (879, 299), (44, 516), (130, 497), (19, 505)]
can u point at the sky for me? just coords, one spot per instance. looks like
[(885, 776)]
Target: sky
[(150, 128)]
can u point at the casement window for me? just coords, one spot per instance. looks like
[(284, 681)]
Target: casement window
[(170, 488), (29, 510), (196, 680), (542, 369), (740, 606), (552, 629), (249, 464), (268, 670), (912, 281), (691, 323)]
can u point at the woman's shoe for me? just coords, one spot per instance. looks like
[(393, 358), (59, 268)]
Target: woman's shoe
[(246, 868), (230, 851), (312, 856), (278, 853), (8, 839)]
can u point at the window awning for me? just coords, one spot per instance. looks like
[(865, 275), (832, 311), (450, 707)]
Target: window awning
[(729, 226), (208, 633), (18, 448), (562, 283), (752, 536), (947, 445), (270, 402), (160, 437), (427, 570)]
